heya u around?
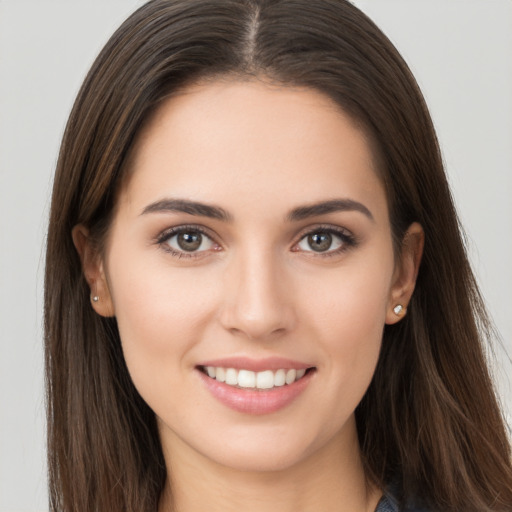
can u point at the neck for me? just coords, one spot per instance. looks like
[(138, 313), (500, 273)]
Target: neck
[(330, 480)]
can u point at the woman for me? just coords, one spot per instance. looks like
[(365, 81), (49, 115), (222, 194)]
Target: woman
[(256, 289)]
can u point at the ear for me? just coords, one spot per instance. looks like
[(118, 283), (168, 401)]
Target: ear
[(406, 272), (94, 271)]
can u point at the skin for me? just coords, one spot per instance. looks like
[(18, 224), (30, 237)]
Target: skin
[(257, 289)]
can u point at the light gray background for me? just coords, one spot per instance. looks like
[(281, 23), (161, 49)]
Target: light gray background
[(461, 53)]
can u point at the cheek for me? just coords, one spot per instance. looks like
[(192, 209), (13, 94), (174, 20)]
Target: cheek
[(348, 317), (161, 314), (353, 299)]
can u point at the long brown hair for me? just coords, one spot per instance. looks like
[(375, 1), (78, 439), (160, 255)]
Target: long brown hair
[(429, 422)]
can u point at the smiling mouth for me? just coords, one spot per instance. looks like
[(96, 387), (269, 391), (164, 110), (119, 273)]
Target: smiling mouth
[(247, 379)]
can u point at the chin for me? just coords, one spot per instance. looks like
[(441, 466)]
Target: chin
[(265, 448), (260, 459)]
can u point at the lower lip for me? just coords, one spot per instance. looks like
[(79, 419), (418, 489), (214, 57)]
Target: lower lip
[(250, 401)]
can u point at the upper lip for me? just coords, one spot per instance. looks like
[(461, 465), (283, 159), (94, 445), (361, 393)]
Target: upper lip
[(256, 365)]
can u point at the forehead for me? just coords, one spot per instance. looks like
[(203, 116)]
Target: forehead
[(259, 140)]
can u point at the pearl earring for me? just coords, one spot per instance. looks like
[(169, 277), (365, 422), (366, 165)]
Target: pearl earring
[(95, 298), (398, 309)]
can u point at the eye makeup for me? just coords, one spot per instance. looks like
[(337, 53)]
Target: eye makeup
[(194, 241)]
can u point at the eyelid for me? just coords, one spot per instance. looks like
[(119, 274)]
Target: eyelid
[(348, 239), (168, 233)]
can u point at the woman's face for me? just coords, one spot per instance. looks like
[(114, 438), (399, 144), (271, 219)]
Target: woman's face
[(251, 242)]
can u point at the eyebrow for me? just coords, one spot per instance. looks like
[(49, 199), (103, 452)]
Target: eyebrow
[(216, 212), (331, 206), (190, 207)]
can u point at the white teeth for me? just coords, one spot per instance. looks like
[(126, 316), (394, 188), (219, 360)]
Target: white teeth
[(220, 374), (266, 379), (290, 376), (231, 377), (280, 378), (246, 379)]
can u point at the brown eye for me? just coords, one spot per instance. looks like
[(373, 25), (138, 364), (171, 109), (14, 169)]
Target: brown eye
[(325, 241), (320, 242), (189, 241)]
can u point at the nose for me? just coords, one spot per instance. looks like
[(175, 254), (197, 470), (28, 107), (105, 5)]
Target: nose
[(258, 302)]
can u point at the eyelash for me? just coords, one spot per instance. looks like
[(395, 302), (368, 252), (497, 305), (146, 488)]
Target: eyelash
[(164, 237), (348, 241)]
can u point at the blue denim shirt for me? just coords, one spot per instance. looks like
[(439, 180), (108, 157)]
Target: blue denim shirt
[(388, 504)]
